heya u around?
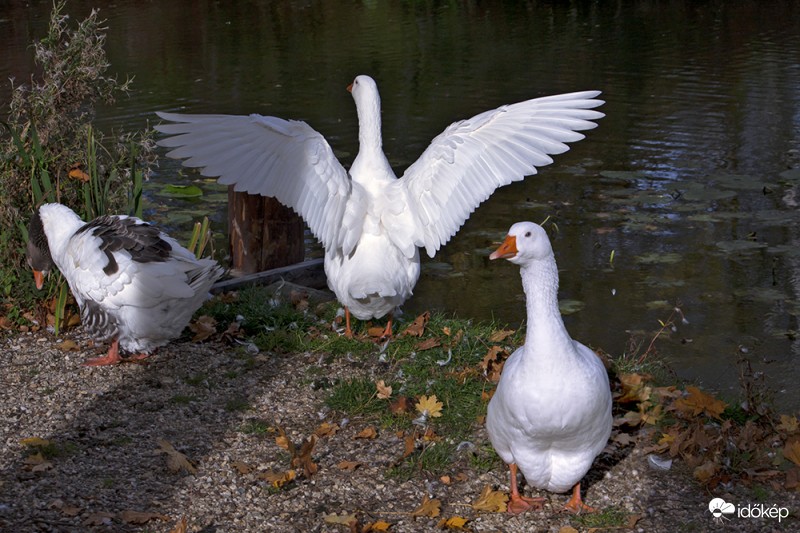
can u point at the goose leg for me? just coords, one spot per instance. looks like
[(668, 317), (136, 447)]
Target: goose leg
[(111, 358), (575, 504), (520, 504), (347, 331), (387, 333)]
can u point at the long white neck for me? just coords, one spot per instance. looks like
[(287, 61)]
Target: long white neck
[(369, 125), (545, 327), (59, 223)]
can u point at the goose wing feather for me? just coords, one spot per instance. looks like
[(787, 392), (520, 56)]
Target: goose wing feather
[(284, 159), (469, 160)]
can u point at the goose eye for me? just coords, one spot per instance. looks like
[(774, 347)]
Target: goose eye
[(527, 233)]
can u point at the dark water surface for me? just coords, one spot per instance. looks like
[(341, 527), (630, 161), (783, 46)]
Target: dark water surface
[(691, 180)]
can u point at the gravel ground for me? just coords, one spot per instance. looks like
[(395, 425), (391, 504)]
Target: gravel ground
[(104, 473)]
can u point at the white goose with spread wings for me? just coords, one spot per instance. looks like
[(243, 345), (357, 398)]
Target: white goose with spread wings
[(135, 285), (371, 223)]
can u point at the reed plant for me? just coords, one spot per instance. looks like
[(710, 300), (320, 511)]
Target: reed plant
[(50, 151)]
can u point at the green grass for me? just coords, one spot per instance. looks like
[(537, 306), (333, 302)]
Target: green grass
[(237, 404), (256, 427), (610, 517)]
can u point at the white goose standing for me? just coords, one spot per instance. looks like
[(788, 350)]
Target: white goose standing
[(551, 413), (370, 222), (134, 285)]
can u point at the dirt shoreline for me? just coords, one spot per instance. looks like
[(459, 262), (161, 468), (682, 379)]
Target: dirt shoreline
[(104, 426)]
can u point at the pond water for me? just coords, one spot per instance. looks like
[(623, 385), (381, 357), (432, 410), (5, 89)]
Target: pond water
[(691, 181)]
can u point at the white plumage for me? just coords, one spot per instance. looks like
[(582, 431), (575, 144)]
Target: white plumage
[(371, 223), (134, 284), (551, 413)]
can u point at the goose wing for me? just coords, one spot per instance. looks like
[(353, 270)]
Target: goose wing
[(469, 160), (285, 159)]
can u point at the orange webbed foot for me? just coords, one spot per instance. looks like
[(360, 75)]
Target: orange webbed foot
[(111, 358), (575, 504), (520, 504)]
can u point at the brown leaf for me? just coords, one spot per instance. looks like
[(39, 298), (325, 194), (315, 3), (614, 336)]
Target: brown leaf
[(379, 525), (182, 526), (789, 424), (326, 430), (490, 500), (278, 479), (633, 388), (501, 335), (409, 445), (401, 405), (384, 391), (427, 344), (792, 452), (568, 529), (99, 519), (302, 458), (203, 328), (492, 363), (455, 522), (140, 517), (430, 405), (417, 328), (792, 479), (368, 432), (78, 174), (176, 461), (242, 467), (697, 402), (706, 471), (68, 345), (35, 442), (37, 463), (348, 466), (428, 507)]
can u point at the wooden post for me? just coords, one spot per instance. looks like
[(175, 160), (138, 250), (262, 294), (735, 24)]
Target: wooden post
[(264, 234)]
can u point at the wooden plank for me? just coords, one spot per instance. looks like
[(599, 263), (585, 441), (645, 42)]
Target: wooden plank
[(308, 273)]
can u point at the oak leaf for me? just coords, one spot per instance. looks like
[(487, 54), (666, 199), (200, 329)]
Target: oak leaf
[(493, 362), (428, 507), (326, 430), (242, 467), (182, 526), (384, 391), (633, 388), (427, 344), (176, 461), (490, 500), (455, 522), (430, 406)]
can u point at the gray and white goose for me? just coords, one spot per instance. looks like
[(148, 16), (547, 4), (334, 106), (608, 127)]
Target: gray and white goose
[(371, 223), (135, 286)]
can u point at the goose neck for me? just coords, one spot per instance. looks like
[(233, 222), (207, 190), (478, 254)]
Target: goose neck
[(540, 283), (369, 126)]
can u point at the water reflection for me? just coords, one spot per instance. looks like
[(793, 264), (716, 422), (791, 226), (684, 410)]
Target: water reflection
[(684, 179)]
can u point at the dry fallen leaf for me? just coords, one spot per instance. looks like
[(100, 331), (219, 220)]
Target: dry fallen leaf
[(501, 335), (368, 432), (203, 328), (35, 442), (140, 517), (37, 463), (379, 525), (182, 526), (278, 479), (242, 467), (75, 172), (348, 466), (326, 430), (68, 345), (697, 402), (705, 471), (428, 507), (302, 457), (99, 519), (427, 344), (401, 405), (568, 529), (492, 363), (384, 391), (176, 461), (430, 406), (792, 452), (633, 388), (417, 328), (490, 500), (455, 522), (789, 424)]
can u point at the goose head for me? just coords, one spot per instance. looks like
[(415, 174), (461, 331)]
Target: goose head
[(526, 242), (39, 258)]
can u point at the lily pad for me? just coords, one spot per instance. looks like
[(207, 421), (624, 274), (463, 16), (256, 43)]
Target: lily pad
[(182, 191)]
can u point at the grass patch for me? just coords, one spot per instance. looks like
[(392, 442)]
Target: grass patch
[(610, 517), (237, 404), (256, 427)]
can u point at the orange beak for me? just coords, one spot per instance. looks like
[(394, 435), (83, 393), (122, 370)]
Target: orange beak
[(507, 250), (350, 88), (38, 277)]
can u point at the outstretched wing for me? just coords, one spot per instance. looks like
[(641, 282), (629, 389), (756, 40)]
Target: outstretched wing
[(285, 159), (469, 160)]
